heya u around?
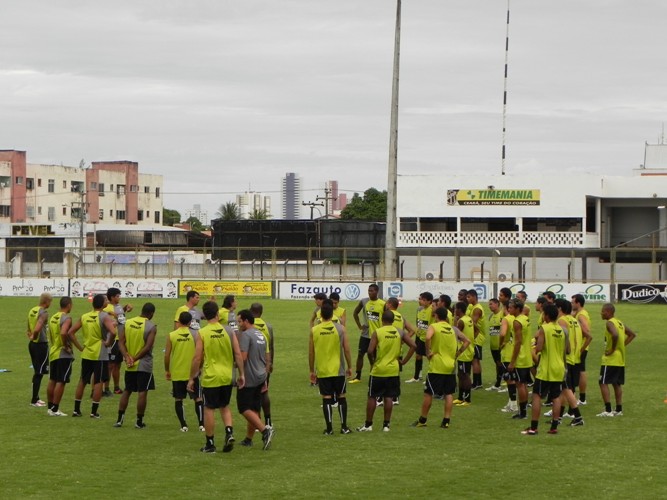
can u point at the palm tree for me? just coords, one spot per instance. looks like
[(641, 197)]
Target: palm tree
[(258, 214), (229, 211)]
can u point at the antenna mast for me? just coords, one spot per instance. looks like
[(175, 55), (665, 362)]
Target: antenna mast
[(507, 46)]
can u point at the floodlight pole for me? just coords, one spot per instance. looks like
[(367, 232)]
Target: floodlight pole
[(390, 258)]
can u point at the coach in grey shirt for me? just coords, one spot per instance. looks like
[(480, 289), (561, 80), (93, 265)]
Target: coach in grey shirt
[(256, 364)]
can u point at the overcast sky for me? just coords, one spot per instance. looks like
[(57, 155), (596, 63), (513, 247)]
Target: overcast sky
[(220, 95)]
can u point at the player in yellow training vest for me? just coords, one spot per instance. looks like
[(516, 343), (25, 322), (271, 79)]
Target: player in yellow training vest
[(581, 315), (442, 349), (384, 382), (267, 330), (216, 351), (38, 347), (372, 308), (494, 320), (476, 312), (328, 348), (552, 344), (612, 370), (522, 359)]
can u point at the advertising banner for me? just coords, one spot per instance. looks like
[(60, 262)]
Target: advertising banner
[(304, 290), (219, 289), (129, 288), (18, 287), (493, 197), (592, 292), (410, 290), (642, 293)]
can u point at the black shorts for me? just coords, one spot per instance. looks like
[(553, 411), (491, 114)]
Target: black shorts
[(421, 347), (39, 355), (384, 387), (61, 370), (523, 375), (179, 389), (139, 381), (572, 377), (547, 389), (495, 354), (440, 385), (464, 367), (249, 398), (612, 375), (508, 375), (217, 397), (94, 368), (478, 352), (332, 386), (114, 353), (364, 342), (582, 362)]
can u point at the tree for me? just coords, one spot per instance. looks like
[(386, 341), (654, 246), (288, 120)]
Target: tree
[(195, 224), (228, 211), (258, 214), (372, 207), (170, 217)]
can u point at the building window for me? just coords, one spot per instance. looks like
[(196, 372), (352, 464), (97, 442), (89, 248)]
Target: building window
[(157, 192), (52, 213), (120, 214), (140, 215), (64, 184), (77, 187), (5, 210), (39, 210), (157, 217), (93, 186), (64, 210), (101, 217), (30, 183), (19, 180), (134, 188), (39, 183), (100, 188), (30, 211), (52, 186), (110, 213), (120, 189), (147, 189)]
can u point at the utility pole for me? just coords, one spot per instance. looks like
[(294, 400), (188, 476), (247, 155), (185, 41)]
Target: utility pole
[(327, 197), (82, 218), (312, 205)]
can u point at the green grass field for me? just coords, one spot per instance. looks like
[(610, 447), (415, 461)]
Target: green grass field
[(482, 455)]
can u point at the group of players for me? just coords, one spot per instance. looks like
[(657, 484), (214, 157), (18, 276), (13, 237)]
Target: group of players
[(200, 361), (551, 359)]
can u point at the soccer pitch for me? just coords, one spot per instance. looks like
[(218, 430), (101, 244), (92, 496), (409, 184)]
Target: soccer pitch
[(482, 454)]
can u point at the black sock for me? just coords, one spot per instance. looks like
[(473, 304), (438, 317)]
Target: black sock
[(422, 420), (36, 382), (210, 441), (385, 423), (522, 408), (199, 411), (554, 424), (467, 396), (94, 408), (49, 404), (575, 412), (229, 429), (445, 421), (607, 407), (358, 375), (460, 398), (418, 367), (499, 375), (77, 406), (121, 416), (582, 397), (511, 389), (55, 407), (342, 411), (326, 410), (368, 423), (178, 406), (267, 419), (140, 419), (533, 424), (619, 408)]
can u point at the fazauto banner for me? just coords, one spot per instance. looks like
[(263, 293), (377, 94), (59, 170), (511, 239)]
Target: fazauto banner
[(302, 290), (592, 292), (642, 293), (129, 288), (17, 287), (219, 288)]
